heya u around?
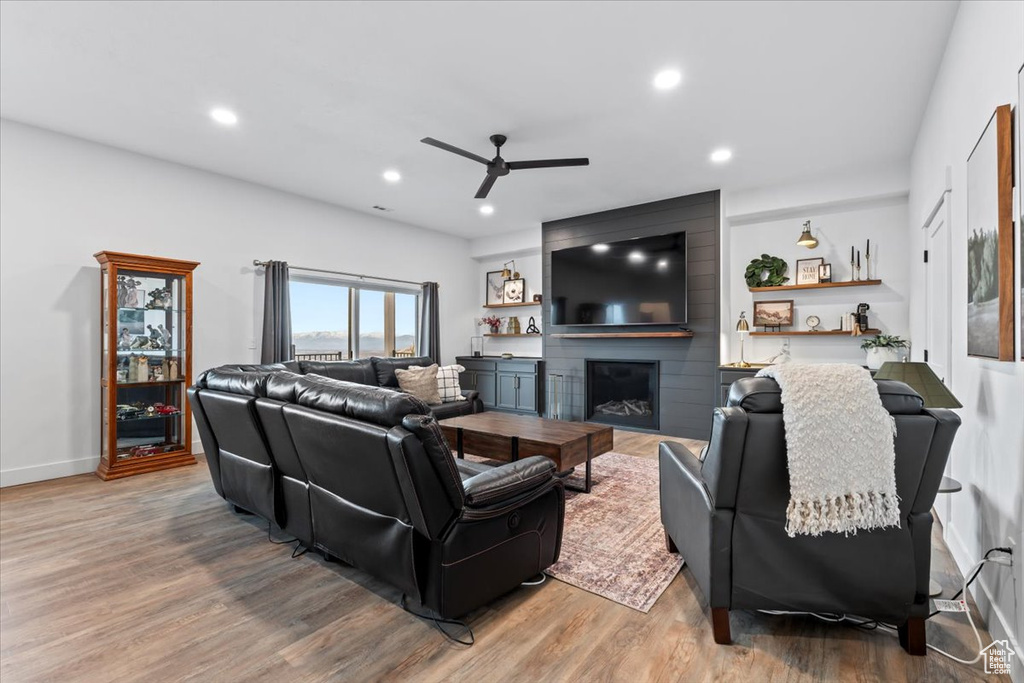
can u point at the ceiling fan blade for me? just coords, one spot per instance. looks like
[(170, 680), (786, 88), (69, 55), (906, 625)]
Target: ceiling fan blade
[(548, 163), (455, 150), (486, 186)]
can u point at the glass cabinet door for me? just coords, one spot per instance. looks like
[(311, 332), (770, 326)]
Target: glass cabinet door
[(150, 339)]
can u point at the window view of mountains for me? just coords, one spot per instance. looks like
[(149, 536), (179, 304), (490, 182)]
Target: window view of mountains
[(370, 343)]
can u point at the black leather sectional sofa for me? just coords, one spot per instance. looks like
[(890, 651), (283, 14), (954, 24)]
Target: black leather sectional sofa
[(374, 372), (363, 474)]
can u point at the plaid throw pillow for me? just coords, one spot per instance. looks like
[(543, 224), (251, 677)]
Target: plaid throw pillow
[(448, 383)]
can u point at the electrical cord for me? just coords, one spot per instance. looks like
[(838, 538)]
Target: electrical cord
[(873, 624), (438, 621), (543, 578)]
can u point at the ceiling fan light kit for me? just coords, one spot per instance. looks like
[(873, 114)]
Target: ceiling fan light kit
[(497, 166)]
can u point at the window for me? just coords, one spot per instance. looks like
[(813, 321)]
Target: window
[(337, 320)]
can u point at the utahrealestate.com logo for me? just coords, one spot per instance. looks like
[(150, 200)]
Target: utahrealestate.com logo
[(997, 657)]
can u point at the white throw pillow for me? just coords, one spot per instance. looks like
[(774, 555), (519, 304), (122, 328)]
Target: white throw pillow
[(448, 383)]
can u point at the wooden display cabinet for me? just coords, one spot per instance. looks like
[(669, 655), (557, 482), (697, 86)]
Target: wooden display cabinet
[(146, 363)]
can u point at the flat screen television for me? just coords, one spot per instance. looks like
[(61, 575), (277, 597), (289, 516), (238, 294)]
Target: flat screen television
[(640, 281)]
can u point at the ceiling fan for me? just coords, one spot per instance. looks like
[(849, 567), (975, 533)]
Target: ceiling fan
[(497, 166)]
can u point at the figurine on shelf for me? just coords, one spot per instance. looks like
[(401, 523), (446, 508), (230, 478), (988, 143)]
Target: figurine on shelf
[(141, 369), (127, 292), (165, 336), (157, 373), (172, 368), (532, 328), (159, 298), (124, 342)]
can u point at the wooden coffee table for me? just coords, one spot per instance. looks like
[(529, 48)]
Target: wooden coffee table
[(501, 436)]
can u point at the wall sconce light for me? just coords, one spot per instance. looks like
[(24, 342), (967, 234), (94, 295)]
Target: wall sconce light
[(806, 238), (508, 274)]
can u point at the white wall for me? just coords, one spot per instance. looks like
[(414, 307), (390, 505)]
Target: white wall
[(838, 226), (65, 198), (978, 73)]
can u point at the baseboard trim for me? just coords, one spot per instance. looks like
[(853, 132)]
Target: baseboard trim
[(58, 470), (50, 470), (999, 627)]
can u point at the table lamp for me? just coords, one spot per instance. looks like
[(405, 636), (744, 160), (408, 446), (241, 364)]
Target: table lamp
[(920, 378), (742, 328)]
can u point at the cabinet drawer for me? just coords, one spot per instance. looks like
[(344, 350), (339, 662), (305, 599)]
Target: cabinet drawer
[(730, 376), (477, 364), (520, 366)]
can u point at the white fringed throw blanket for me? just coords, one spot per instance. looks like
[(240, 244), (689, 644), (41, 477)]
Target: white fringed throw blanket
[(839, 441)]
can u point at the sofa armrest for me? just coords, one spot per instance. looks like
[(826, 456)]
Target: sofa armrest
[(508, 481), (724, 454), (701, 532), (473, 397)]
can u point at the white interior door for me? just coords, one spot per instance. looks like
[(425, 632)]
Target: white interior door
[(938, 308), (938, 291)]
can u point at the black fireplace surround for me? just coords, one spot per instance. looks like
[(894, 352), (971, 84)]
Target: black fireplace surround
[(623, 393)]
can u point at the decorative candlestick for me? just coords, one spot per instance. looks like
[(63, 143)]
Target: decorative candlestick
[(858, 265), (867, 262), (852, 272)]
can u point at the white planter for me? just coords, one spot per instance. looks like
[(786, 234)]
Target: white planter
[(880, 354)]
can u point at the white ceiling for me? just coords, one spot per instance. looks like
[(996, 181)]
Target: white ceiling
[(329, 95)]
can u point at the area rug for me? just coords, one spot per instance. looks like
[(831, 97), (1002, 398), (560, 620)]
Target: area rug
[(613, 543)]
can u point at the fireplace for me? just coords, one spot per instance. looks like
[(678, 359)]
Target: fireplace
[(623, 393)]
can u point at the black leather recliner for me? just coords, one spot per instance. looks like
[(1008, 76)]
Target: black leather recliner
[(374, 372), (364, 474), (727, 516)]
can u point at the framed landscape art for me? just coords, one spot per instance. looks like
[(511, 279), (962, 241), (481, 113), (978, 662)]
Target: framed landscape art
[(990, 278)]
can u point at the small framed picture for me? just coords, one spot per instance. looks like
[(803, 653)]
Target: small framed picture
[(513, 291), (773, 313), (825, 272), (494, 288), (807, 271)]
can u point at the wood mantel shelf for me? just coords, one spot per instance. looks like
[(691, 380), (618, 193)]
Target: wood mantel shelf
[(820, 285), (513, 305), (809, 333), (681, 334)]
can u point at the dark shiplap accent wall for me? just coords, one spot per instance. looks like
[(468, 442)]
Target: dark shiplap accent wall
[(688, 382)]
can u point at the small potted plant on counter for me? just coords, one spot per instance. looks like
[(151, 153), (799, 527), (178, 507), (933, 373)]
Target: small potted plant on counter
[(883, 348)]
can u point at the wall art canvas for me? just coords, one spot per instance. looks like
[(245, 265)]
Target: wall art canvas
[(514, 290), (773, 313), (807, 271), (1019, 136), (494, 285), (133, 320), (990, 280)]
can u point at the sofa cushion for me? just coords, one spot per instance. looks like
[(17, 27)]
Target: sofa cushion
[(448, 383), (281, 386), (232, 381), (443, 411), (359, 371), (421, 382), (385, 368), (385, 407)]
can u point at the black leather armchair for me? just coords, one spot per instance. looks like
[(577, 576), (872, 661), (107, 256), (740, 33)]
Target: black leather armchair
[(726, 515)]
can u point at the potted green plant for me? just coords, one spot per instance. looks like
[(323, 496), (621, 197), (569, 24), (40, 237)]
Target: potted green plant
[(883, 348)]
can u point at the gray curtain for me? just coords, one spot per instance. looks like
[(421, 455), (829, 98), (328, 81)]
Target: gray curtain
[(277, 314), (429, 343)]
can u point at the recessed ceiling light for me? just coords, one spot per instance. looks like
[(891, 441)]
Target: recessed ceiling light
[(223, 116), (487, 209), (663, 263), (392, 176), (721, 155), (600, 248), (667, 79), (637, 257)]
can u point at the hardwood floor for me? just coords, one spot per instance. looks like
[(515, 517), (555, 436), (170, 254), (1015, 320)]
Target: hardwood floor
[(154, 578)]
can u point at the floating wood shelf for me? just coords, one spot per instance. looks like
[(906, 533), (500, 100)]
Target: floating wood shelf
[(809, 333), (505, 334), (820, 285), (681, 334), (523, 303)]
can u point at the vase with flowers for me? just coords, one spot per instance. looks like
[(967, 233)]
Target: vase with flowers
[(493, 322)]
